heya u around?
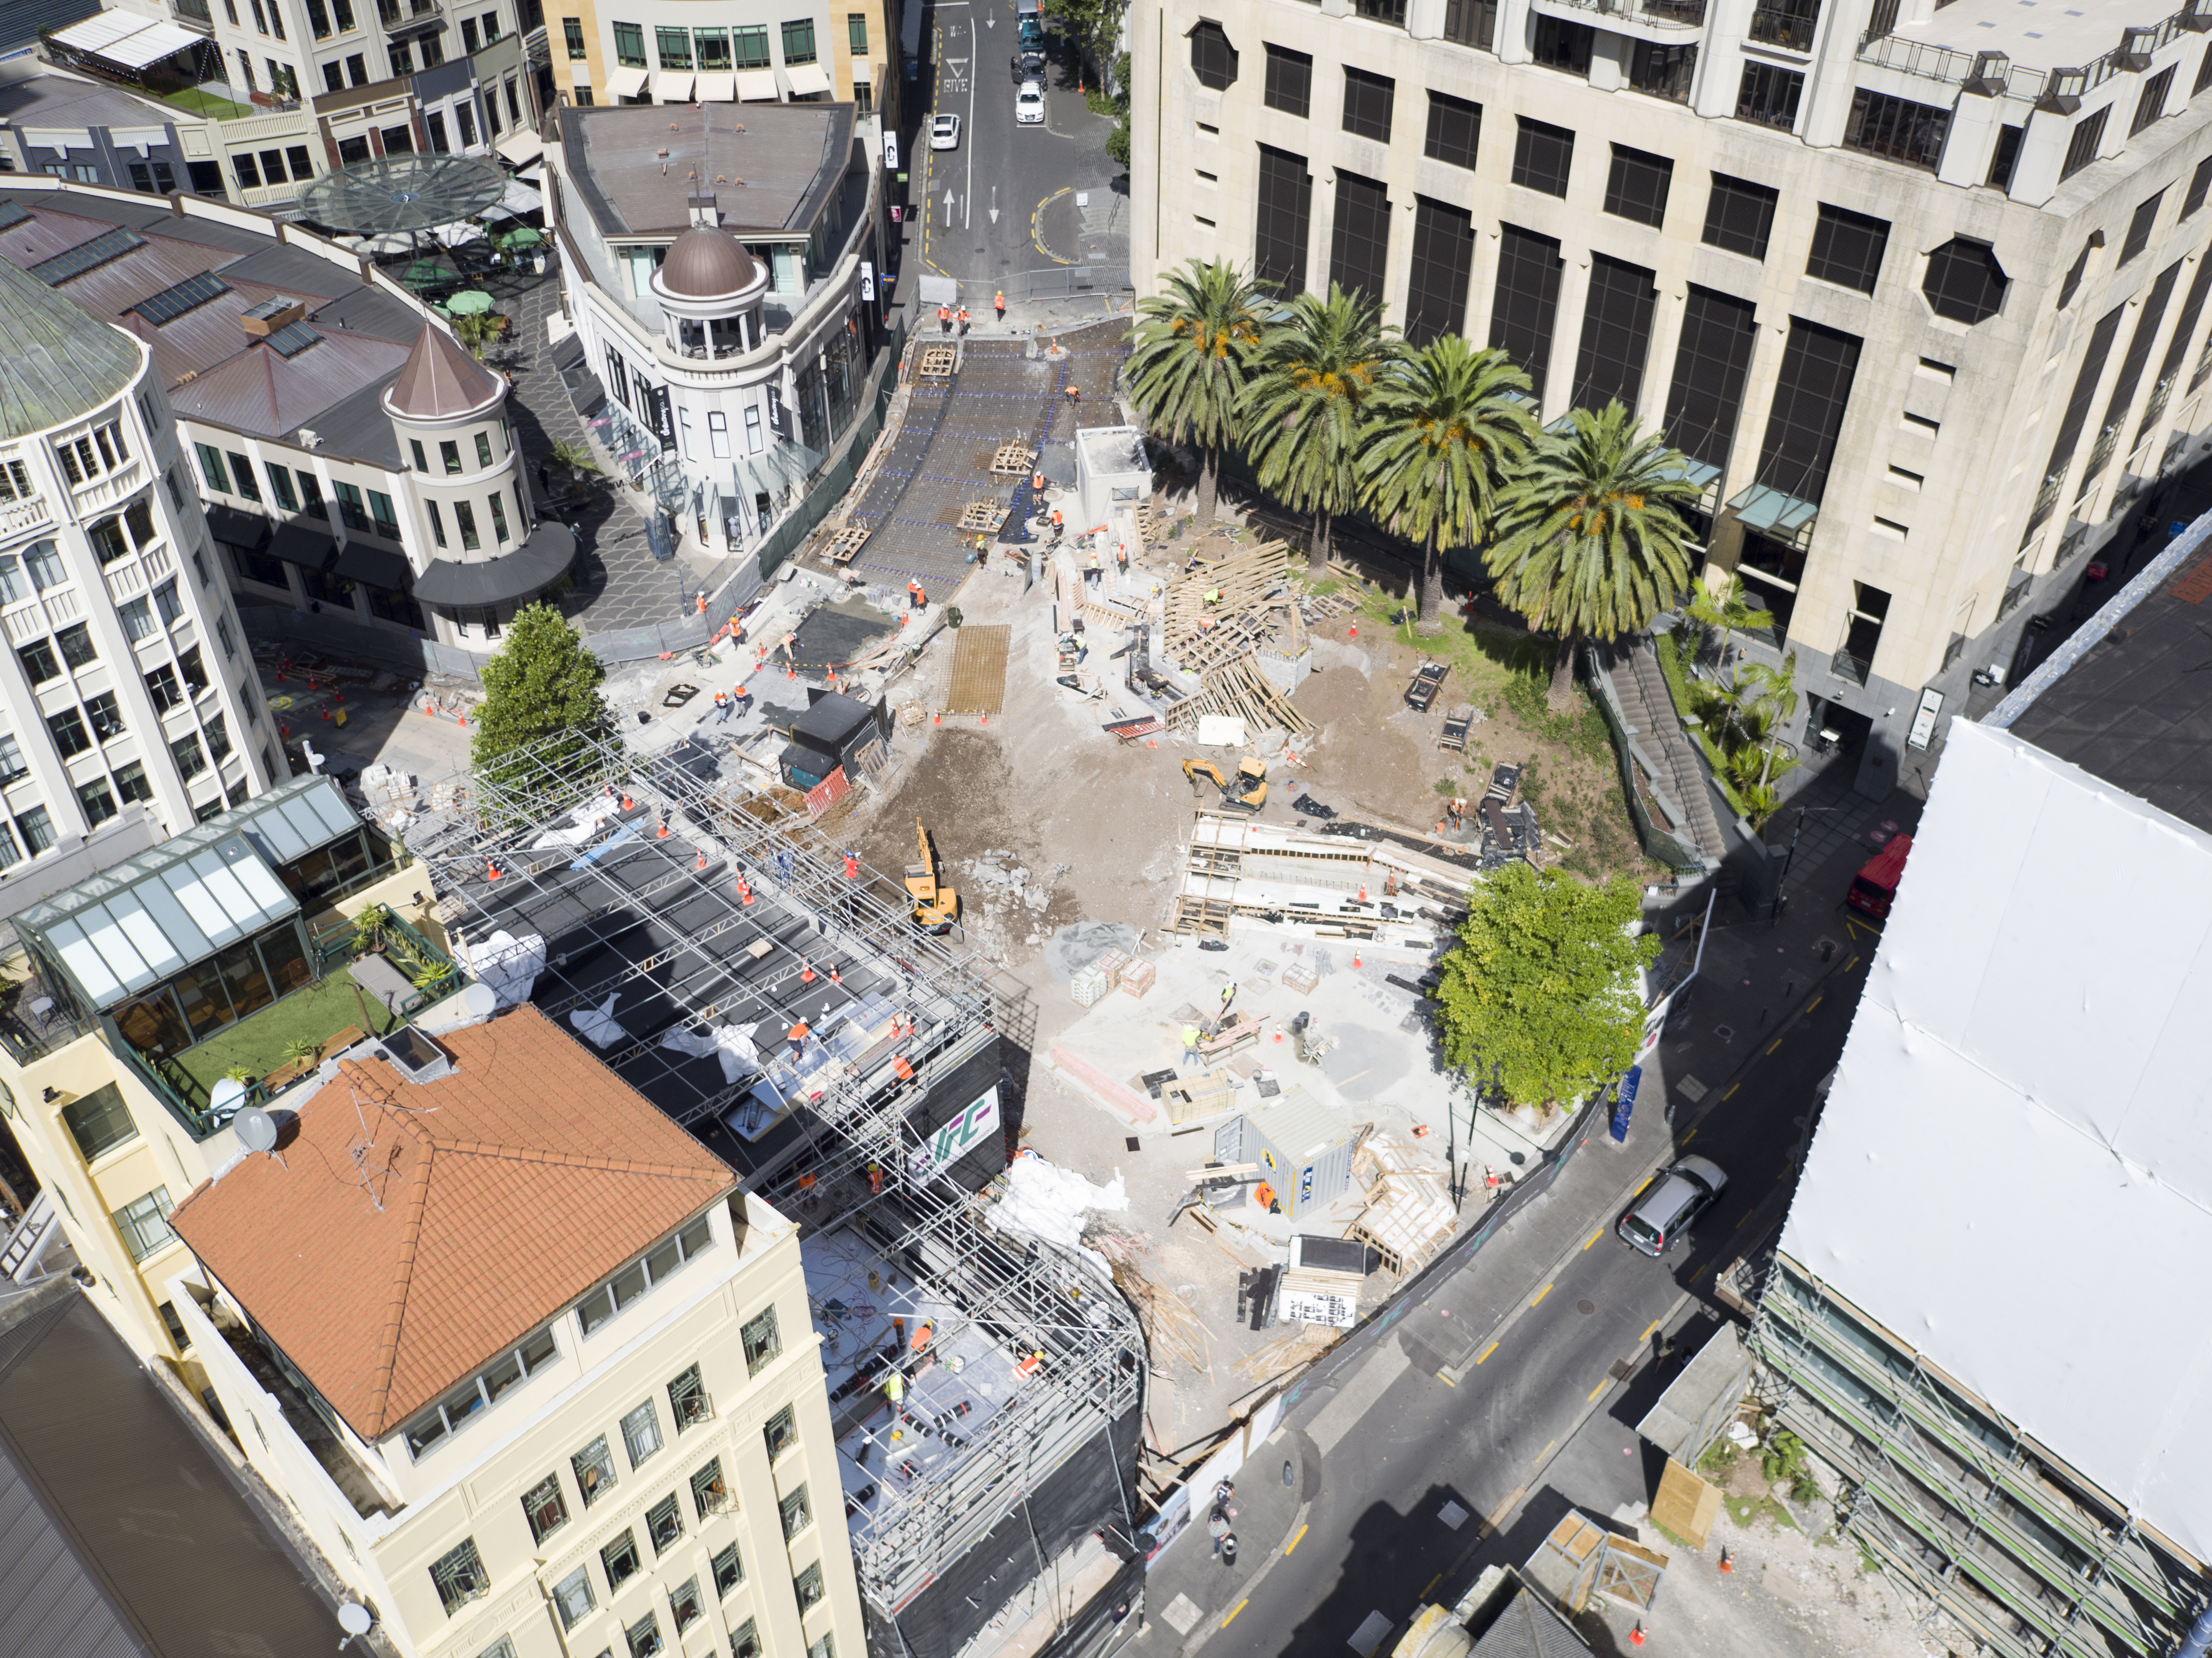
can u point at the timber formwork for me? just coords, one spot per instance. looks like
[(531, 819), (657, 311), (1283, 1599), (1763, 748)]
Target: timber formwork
[(695, 903), (2018, 1550)]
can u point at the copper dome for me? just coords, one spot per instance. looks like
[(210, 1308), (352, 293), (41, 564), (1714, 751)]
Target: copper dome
[(706, 264)]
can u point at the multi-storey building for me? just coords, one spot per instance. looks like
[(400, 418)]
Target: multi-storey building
[(1918, 290), (533, 1373), (677, 51), (354, 460), (1961, 1320), (126, 679), (721, 273)]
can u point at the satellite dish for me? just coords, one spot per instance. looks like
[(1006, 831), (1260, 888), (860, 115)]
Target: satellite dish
[(353, 1618), (480, 1000), (257, 1129)]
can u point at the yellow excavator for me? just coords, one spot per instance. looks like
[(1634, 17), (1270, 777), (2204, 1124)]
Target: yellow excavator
[(936, 906), (1247, 790)]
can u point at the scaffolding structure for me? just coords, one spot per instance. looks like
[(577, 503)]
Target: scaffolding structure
[(674, 904), (2020, 1550)]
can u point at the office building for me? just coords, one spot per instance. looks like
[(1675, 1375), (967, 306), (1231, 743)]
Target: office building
[(1964, 1319), (1917, 289)]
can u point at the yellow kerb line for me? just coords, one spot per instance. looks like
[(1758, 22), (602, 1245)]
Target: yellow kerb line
[(1295, 1541), (1600, 1388), (1540, 1294), (1594, 1237), (1486, 1352), (1234, 1610)]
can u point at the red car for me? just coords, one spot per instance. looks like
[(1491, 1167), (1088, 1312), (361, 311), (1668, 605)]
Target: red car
[(1873, 889)]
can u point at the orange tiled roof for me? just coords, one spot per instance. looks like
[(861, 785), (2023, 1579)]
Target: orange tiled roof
[(507, 1189)]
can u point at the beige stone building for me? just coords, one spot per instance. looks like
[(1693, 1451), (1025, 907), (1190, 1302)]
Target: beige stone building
[(1918, 289), (532, 1373)]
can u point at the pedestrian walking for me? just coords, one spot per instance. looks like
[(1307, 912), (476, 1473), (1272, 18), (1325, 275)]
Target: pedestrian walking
[(1216, 1527), (1090, 576), (722, 708)]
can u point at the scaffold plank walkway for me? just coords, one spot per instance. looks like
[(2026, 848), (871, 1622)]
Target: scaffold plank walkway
[(979, 670)]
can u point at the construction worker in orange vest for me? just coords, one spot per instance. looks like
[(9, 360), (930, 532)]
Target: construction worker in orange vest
[(945, 318), (722, 708), (1056, 524), (798, 1034), (1000, 301), (963, 318), (915, 598), (1074, 392)]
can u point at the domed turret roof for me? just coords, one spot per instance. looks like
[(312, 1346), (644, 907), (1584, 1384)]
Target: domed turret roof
[(705, 264), (60, 362)]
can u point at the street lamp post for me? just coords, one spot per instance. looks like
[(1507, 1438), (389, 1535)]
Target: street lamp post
[(1774, 913)]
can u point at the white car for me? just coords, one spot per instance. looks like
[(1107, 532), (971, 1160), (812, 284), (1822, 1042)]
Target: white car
[(945, 132), (1028, 105)]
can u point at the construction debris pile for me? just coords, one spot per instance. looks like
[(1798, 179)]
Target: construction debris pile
[(1230, 623), (1316, 884)]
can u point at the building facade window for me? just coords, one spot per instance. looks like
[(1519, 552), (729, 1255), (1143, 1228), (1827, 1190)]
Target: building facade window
[(1471, 23), (1637, 185), (99, 1121), (1616, 334), (799, 42), (1368, 100), (1896, 128), (1285, 221), (1768, 95), (1810, 395), (1711, 365), (1454, 130), (1360, 242), (1557, 44), (620, 1560), (2081, 148), (594, 1468), (144, 1223), (1543, 156), (573, 1598), (1525, 306), (1289, 86), (795, 1514), (1443, 264), (459, 1576), (1847, 248), (630, 46), (1212, 58), (641, 1431)]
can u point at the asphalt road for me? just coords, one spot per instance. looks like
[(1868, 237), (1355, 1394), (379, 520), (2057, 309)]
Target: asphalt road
[(1003, 203), (1488, 1434)]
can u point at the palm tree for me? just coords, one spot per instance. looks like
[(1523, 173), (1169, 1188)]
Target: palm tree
[(1765, 699), (1725, 611), (1318, 364), (572, 457), (1594, 544), (1444, 436), (1190, 359)]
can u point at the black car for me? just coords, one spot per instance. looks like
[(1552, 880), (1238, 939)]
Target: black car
[(1028, 63)]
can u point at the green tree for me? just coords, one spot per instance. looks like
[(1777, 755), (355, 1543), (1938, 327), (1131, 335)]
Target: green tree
[(1444, 438), (1592, 543), (1190, 359), (542, 684), (1725, 612), (1318, 365), (1767, 697), (572, 457), (1539, 1000)]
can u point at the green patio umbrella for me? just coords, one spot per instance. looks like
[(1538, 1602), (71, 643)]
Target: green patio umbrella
[(468, 303), (523, 236), (427, 273)]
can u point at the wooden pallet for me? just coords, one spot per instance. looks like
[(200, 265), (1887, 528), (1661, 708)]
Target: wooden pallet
[(937, 362), (1320, 607), (845, 546), (1206, 918), (986, 516), (1013, 459)]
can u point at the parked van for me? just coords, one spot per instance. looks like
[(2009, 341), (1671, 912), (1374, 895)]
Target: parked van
[(1873, 889)]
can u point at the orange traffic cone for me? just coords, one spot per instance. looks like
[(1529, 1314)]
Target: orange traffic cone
[(1355, 961), (627, 804), (1636, 1635), (701, 864), (833, 979), (1363, 892), (491, 870), (984, 719), (662, 835), (1727, 1564), (806, 971), (937, 717)]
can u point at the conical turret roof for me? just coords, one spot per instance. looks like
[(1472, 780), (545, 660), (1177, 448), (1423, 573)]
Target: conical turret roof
[(59, 361), (439, 381)]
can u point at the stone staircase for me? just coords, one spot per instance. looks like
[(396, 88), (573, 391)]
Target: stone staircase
[(1674, 764)]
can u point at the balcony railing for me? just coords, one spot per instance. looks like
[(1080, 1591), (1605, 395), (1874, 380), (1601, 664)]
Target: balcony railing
[(2015, 595), (418, 13), (1671, 14), (1855, 669)]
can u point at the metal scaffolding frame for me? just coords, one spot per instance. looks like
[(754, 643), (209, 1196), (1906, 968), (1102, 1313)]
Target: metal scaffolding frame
[(692, 901), (1930, 1494)]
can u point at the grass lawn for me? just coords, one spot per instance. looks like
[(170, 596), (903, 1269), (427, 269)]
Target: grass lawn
[(206, 103), (315, 1014)]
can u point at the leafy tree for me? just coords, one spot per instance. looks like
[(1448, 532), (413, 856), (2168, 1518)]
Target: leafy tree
[(572, 457), (1191, 358), (1725, 612), (1765, 699), (1319, 364), (1442, 438), (1592, 544), (542, 684), (1540, 999)]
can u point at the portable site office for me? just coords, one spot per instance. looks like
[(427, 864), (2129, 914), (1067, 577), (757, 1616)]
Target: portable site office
[(1304, 1152)]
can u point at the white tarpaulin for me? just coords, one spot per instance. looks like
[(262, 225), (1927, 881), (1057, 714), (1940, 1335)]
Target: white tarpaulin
[(1220, 731), (1043, 1200), (597, 1025), (509, 966), (581, 825), (740, 1057), (2014, 1169)]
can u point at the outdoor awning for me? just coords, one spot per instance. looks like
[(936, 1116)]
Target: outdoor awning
[(373, 567), (519, 200), (119, 37), (309, 546), (586, 395), (715, 88), (1771, 512), (672, 85), (539, 561), (237, 529), (807, 80), (626, 83), (757, 86), (521, 147)]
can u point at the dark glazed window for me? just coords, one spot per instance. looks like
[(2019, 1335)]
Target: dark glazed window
[(1711, 367), (1443, 261), (2140, 225), (1769, 95), (1212, 59), (1543, 155), (2199, 182), (1847, 248), (1740, 215), (1289, 81), (1391, 12), (1286, 222), (2081, 148), (1810, 395), (1455, 130), (2005, 158), (1663, 71), (1471, 23), (1897, 128), (2152, 105), (1616, 334), (1563, 45), (1527, 301), (1965, 281), (1637, 187), (1360, 245), (1367, 104)]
